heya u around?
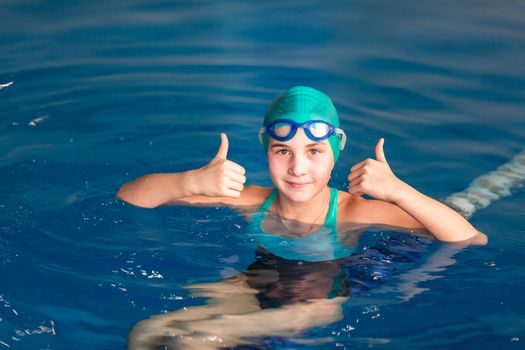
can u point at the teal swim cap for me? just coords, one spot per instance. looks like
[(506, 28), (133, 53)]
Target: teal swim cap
[(301, 104)]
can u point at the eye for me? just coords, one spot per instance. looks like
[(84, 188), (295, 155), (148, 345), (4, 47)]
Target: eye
[(314, 151), (283, 152)]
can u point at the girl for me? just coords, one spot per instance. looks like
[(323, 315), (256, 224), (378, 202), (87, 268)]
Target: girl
[(302, 139)]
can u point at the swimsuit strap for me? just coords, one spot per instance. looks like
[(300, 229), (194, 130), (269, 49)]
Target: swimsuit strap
[(331, 216), (269, 201)]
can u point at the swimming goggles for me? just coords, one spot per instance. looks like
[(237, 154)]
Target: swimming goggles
[(316, 130)]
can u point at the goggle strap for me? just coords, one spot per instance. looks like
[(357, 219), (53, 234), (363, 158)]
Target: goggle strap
[(342, 135), (261, 132)]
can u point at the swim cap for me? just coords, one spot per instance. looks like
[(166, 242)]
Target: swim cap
[(300, 104)]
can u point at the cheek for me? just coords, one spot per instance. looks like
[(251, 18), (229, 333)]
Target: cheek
[(276, 166), (323, 167)]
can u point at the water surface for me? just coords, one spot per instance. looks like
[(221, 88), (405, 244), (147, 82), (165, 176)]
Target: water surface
[(102, 93)]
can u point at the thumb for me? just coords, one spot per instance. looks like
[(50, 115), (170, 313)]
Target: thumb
[(222, 153), (380, 154)]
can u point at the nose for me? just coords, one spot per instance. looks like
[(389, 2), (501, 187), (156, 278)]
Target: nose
[(298, 165)]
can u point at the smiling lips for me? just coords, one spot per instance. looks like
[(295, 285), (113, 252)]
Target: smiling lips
[(297, 184)]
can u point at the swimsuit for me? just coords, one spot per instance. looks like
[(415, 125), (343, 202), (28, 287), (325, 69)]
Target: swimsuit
[(321, 245), (291, 270)]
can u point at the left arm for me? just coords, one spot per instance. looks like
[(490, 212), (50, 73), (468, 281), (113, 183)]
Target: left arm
[(405, 206)]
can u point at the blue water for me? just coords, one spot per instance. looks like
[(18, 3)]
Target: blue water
[(103, 92)]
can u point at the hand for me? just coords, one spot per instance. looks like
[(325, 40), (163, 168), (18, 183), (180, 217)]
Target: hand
[(220, 177), (374, 177)]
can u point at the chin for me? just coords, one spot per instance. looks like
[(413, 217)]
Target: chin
[(298, 198)]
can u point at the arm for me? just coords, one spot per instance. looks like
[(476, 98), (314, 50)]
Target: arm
[(401, 205), (443, 222), (219, 181)]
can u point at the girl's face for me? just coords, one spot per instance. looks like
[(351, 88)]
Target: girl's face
[(300, 168)]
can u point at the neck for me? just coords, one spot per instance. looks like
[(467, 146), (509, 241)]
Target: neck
[(304, 212)]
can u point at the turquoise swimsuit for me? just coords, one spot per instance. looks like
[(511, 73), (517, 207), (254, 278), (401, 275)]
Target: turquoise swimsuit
[(321, 245), (293, 270)]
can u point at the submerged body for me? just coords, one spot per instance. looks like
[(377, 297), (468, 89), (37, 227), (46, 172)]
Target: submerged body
[(276, 299)]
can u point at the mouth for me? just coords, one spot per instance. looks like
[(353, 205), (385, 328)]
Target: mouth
[(297, 184)]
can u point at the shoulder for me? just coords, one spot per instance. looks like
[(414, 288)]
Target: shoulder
[(352, 208), (251, 199), (356, 209), (254, 195)]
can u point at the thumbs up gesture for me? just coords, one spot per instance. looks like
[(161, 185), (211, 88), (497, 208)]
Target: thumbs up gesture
[(220, 177), (374, 177)]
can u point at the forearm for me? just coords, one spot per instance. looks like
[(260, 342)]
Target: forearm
[(443, 222), (152, 190)]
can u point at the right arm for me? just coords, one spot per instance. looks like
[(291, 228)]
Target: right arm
[(221, 181), (153, 190)]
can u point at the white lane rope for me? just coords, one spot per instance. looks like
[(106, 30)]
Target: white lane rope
[(489, 187)]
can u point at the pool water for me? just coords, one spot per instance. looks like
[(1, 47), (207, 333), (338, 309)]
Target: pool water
[(95, 94)]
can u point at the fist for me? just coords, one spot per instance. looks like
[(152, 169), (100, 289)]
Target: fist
[(221, 177), (374, 177)]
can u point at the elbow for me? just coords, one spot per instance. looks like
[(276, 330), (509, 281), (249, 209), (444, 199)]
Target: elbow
[(121, 194), (479, 239), (124, 195)]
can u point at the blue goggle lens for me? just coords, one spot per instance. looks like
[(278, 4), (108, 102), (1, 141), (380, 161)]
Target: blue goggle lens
[(280, 129), (321, 130), (284, 130)]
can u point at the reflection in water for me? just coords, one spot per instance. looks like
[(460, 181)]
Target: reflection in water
[(276, 297)]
